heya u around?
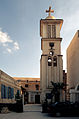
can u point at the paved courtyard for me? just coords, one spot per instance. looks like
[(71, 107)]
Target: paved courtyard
[(31, 112)]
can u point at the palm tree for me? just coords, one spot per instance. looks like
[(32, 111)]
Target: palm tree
[(57, 87)]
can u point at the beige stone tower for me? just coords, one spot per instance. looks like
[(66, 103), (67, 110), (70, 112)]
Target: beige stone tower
[(51, 64)]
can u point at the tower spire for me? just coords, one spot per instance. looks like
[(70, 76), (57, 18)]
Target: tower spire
[(50, 11)]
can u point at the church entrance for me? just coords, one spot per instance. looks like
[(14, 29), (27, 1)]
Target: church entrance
[(37, 99)]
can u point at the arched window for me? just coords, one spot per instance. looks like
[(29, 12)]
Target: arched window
[(49, 31), (49, 61), (53, 31), (55, 61)]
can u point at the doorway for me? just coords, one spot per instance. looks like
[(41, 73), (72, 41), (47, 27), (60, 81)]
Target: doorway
[(37, 99), (26, 98)]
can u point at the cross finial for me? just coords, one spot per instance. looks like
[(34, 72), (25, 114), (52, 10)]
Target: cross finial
[(50, 11)]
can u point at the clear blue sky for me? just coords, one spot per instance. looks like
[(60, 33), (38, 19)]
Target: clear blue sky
[(20, 42)]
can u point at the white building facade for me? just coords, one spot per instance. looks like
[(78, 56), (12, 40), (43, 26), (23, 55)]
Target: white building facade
[(8, 88), (73, 62), (73, 68)]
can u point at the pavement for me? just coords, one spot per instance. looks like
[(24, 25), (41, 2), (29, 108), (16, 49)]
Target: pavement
[(31, 111)]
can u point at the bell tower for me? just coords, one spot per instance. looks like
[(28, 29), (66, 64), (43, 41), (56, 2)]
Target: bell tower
[(51, 63)]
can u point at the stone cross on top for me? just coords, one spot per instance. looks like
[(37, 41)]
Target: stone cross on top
[(50, 11)]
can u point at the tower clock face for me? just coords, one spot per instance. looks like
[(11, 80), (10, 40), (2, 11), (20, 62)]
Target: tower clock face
[(51, 44)]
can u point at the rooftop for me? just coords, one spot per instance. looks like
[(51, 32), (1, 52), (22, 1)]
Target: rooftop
[(26, 78)]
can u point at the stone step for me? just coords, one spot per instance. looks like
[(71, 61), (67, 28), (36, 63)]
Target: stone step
[(32, 108)]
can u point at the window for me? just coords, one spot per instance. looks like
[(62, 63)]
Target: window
[(18, 92), (27, 81), (12, 92), (26, 85), (55, 61), (32, 97), (3, 91), (6, 92), (19, 80), (53, 31), (9, 92), (37, 87), (49, 61), (49, 31)]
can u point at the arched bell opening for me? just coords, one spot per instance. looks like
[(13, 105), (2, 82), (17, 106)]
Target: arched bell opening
[(54, 61), (49, 61)]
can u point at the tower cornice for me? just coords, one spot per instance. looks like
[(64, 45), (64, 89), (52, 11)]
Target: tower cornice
[(51, 19), (51, 39)]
